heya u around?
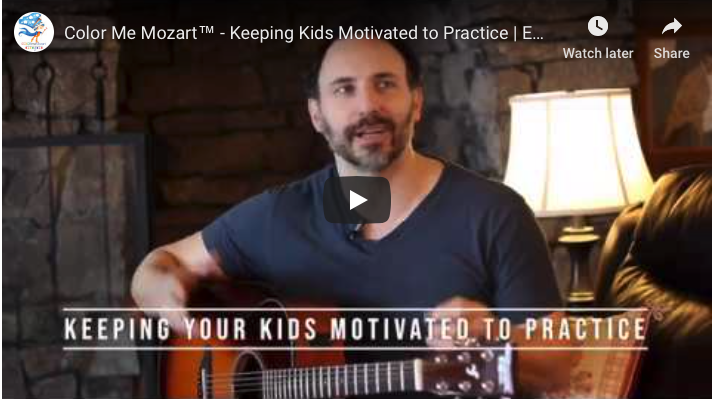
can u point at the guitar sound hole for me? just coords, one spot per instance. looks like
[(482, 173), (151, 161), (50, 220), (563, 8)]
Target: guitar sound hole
[(246, 386)]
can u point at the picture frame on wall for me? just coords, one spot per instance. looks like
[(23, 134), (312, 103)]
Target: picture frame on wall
[(675, 102), (680, 92)]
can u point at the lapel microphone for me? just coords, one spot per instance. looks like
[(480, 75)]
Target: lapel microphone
[(354, 230)]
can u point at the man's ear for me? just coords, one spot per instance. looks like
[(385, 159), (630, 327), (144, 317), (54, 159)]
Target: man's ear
[(317, 118), (418, 99)]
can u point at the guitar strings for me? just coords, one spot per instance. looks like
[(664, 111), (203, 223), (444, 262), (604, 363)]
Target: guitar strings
[(293, 382), (301, 391), (289, 389), (394, 365), (289, 395), (296, 372), (293, 386), (259, 382), (296, 378), (295, 390), (293, 375), (286, 396)]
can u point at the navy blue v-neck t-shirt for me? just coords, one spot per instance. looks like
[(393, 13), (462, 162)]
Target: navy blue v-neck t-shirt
[(469, 237)]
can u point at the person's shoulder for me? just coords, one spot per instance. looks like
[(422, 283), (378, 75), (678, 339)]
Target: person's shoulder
[(486, 190), (481, 196), (289, 198), (305, 189)]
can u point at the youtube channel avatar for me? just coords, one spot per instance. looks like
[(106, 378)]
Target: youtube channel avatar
[(375, 199), (34, 32)]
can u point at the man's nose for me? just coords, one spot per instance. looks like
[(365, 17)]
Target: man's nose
[(369, 100)]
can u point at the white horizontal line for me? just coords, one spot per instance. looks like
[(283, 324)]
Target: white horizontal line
[(303, 348), (349, 309)]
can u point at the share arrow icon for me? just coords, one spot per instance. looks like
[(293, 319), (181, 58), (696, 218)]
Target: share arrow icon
[(674, 25)]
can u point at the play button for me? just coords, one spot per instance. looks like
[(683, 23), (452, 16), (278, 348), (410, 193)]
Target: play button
[(357, 199)]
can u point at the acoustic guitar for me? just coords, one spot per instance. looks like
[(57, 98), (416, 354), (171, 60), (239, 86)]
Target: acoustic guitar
[(215, 368)]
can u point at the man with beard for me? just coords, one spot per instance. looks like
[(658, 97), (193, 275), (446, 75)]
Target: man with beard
[(453, 239)]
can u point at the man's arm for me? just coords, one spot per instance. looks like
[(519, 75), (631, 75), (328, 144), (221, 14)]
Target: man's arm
[(223, 251), (168, 274), (518, 258), (525, 279)]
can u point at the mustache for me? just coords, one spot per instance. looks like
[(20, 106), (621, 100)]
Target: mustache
[(367, 121)]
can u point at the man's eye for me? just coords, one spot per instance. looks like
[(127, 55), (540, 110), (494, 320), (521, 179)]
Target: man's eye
[(343, 90), (386, 84)]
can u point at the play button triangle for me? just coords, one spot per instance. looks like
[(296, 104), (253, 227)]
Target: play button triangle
[(355, 200)]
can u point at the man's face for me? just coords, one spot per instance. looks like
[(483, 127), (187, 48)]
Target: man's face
[(366, 110)]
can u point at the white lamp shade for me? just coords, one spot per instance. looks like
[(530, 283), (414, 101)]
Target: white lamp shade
[(576, 153)]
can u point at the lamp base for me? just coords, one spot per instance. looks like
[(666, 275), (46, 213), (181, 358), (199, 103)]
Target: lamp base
[(579, 243)]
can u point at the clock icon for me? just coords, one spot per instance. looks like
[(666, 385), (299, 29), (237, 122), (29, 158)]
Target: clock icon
[(598, 26)]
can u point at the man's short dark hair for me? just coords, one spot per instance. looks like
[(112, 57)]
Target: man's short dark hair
[(413, 70)]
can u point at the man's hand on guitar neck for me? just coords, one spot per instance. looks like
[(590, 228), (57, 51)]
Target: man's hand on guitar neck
[(168, 275), (536, 371)]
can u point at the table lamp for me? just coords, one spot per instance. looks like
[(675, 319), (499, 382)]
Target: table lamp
[(576, 154)]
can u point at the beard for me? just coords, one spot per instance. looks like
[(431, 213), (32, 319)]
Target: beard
[(377, 156)]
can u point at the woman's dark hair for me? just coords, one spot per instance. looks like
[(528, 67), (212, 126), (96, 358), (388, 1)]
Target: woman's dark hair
[(413, 70)]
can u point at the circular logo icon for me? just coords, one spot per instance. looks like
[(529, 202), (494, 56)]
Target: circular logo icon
[(34, 32), (598, 26)]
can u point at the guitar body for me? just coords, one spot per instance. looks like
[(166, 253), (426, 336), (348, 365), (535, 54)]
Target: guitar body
[(181, 372)]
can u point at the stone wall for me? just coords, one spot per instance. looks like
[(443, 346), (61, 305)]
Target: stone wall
[(66, 212)]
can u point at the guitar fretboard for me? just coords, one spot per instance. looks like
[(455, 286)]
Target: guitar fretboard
[(342, 380)]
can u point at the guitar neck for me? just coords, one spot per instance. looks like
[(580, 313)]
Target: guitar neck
[(343, 380)]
